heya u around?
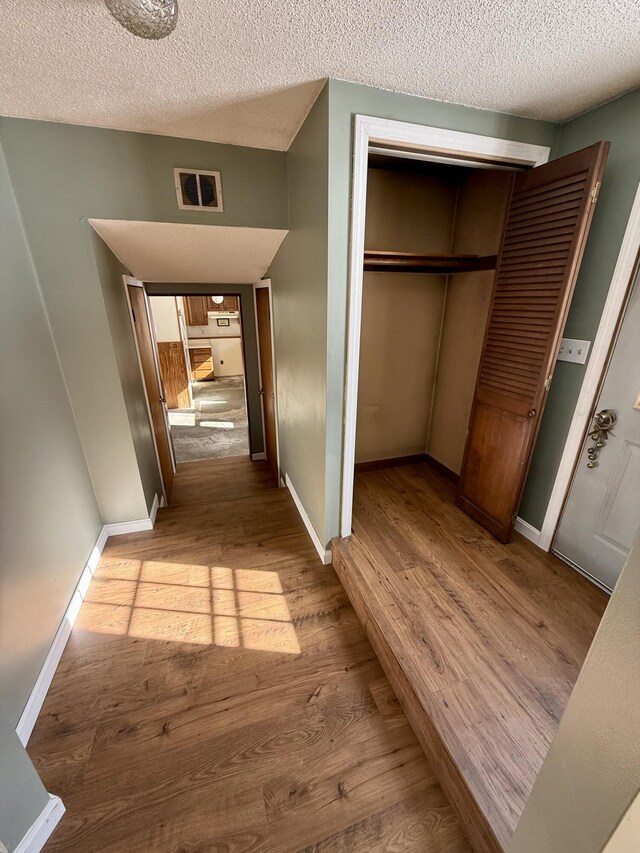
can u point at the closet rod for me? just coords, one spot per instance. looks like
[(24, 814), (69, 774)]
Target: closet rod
[(375, 261)]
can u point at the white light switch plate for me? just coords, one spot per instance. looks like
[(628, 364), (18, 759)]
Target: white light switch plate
[(572, 350)]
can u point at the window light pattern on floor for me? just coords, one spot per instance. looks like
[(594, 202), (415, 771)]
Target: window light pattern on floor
[(204, 605)]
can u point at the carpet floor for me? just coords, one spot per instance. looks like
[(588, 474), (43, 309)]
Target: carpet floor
[(217, 423)]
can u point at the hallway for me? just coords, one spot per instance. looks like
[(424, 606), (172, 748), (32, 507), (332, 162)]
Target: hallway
[(219, 694)]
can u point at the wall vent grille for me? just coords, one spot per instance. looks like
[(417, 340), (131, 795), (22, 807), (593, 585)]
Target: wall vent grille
[(198, 190)]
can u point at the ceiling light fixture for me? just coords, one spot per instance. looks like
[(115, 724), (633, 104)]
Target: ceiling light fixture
[(149, 19), (218, 299)]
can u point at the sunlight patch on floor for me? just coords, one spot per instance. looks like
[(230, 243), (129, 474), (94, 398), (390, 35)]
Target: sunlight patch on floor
[(182, 603)]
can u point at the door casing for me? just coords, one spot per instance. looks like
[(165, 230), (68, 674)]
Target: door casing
[(432, 143)]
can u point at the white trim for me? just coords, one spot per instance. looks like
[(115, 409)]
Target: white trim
[(323, 553), (259, 284), (256, 457), (40, 831), (527, 530), (470, 148), (36, 699), (614, 305)]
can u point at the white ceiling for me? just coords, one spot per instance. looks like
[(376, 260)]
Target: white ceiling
[(207, 254), (247, 71)]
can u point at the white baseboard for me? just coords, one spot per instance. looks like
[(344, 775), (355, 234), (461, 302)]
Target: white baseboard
[(323, 553), (528, 530), (256, 457), (40, 831), (35, 701)]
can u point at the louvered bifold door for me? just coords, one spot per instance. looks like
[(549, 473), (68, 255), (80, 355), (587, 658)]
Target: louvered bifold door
[(545, 233)]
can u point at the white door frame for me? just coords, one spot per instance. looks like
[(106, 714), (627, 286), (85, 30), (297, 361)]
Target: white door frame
[(438, 145), (266, 282), (134, 282), (598, 362)]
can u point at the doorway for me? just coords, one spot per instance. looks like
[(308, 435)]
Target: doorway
[(200, 353), (546, 222)]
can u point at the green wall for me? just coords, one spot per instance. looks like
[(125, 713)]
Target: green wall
[(49, 521), (345, 101), (619, 122), (301, 316), (65, 174), (249, 342), (22, 794), (144, 481)]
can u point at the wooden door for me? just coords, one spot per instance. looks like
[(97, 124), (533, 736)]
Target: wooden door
[(142, 327), (545, 233), (173, 371), (266, 377)]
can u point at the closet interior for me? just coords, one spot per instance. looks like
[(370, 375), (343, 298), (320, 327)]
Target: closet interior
[(432, 236)]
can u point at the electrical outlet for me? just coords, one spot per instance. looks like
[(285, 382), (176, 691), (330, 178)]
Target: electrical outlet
[(573, 350)]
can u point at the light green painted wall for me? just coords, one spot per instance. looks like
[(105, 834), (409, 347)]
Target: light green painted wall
[(145, 482), (22, 794), (249, 341), (63, 174), (301, 314), (619, 122), (49, 521), (345, 101)]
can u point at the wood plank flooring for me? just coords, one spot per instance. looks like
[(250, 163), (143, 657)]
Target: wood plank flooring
[(482, 641), (218, 693)]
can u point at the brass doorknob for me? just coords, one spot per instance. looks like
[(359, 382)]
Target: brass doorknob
[(531, 413)]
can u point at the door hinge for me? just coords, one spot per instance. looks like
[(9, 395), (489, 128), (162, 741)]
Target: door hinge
[(595, 192), (547, 382), (133, 314)]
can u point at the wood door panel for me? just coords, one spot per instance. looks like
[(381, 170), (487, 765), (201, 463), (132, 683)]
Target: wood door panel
[(543, 242), (142, 329), (174, 374)]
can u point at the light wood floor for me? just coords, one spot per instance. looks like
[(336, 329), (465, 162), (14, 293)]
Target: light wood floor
[(218, 694), (483, 641)]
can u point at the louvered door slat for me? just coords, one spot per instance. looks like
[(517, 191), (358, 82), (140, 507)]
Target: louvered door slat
[(543, 242)]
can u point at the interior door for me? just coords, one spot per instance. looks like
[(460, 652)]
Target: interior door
[(601, 518), (268, 391), (155, 395), (545, 233)]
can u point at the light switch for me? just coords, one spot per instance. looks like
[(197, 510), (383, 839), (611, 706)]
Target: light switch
[(572, 350)]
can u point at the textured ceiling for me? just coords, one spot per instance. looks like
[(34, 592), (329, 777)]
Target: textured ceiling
[(207, 254), (247, 71)]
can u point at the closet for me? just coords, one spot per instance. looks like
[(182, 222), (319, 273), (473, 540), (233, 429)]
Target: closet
[(468, 277), (432, 236)]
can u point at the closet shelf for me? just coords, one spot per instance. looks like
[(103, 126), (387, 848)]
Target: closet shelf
[(426, 263)]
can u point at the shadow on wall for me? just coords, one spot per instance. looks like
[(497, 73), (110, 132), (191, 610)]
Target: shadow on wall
[(269, 113)]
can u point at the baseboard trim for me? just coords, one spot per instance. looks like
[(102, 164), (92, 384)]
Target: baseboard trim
[(40, 831), (36, 699), (323, 553), (122, 527), (527, 530), (257, 457)]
